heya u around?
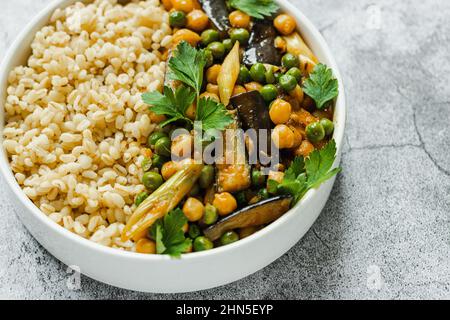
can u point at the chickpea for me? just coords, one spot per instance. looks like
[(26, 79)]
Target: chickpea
[(168, 170), (182, 146), (213, 73), (283, 137), (193, 209), (298, 137), (183, 5), (167, 4), (280, 111), (197, 20), (209, 95), (285, 24), (253, 86), (140, 235), (146, 246), (238, 90), (191, 111), (304, 149), (197, 4), (212, 88), (280, 44), (225, 203), (186, 35), (297, 94), (156, 118), (239, 19), (147, 152)]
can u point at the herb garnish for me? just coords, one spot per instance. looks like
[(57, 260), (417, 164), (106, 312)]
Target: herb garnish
[(255, 8), (321, 86), (187, 66), (307, 173), (171, 104), (169, 236)]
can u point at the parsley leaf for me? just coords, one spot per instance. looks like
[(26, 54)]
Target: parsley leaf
[(187, 65), (169, 235), (255, 8), (172, 104), (213, 115), (297, 167), (305, 174), (321, 86), (319, 163)]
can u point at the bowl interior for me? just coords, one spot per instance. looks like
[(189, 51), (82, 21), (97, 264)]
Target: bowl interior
[(18, 54)]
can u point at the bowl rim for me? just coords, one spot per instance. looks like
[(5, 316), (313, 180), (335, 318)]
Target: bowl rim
[(5, 169)]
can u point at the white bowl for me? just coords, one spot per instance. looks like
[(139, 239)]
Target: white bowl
[(156, 273)]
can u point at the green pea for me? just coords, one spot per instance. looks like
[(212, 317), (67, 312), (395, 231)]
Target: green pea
[(195, 191), (229, 237), (209, 58), (328, 126), (263, 194), (158, 161), (210, 216), (241, 198), (290, 61), (258, 178), (209, 36), (194, 231), (217, 49), (315, 132), (140, 198), (162, 146), (258, 72), (296, 73), (269, 92), (155, 137), (244, 75), (288, 82), (242, 35), (177, 19), (270, 77), (228, 43), (202, 243), (206, 176), (152, 180), (146, 164)]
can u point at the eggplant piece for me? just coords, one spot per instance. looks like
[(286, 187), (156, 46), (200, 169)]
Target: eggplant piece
[(254, 114), (217, 12), (258, 214), (252, 110), (233, 172), (261, 46)]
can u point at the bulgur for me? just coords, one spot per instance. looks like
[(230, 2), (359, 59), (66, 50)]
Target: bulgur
[(75, 122)]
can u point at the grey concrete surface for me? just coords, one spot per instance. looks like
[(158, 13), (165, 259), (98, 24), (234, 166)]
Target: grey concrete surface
[(385, 231)]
